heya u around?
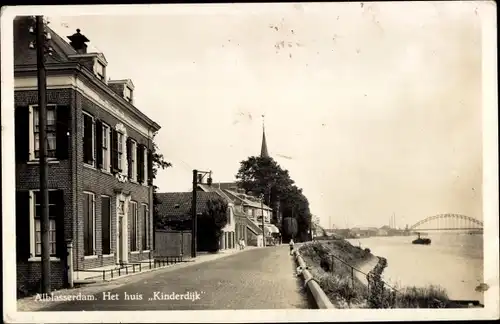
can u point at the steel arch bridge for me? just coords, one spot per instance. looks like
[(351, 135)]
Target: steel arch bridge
[(445, 222)]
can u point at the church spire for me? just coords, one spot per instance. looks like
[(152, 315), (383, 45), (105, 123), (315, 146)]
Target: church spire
[(263, 149)]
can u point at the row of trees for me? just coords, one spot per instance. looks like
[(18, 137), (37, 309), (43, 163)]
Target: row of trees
[(264, 176)]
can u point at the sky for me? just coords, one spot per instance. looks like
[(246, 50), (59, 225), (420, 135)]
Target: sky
[(374, 108)]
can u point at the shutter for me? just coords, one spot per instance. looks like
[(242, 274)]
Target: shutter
[(87, 139), (98, 143), (140, 163), (58, 198), (23, 235), (129, 157), (62, 128), (150, 167), (114, 150), (22, 129)]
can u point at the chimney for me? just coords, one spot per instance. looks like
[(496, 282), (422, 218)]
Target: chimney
[(78, 42)]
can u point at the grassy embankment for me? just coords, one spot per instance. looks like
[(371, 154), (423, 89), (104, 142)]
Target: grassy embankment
[(336, 279)]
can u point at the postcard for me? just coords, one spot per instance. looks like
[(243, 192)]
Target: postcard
[(271, 162)]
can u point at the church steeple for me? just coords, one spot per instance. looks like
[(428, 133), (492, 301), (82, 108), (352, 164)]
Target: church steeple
[(263, 149)]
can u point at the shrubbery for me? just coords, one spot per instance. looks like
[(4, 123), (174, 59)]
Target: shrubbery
[(336, 279)]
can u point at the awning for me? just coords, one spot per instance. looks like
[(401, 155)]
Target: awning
[(272, 228)]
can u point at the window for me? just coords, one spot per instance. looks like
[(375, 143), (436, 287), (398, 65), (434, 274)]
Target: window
[(106, 224), (88, 139), (119, 151), (106, 151), (88, 223), (51, 131), (100, 71), (146, 221), (145, 166), (127, 93), (133, 162), (133, 226), (38, 224)]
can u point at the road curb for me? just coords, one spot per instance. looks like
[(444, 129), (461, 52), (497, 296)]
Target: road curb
[(320, 298)]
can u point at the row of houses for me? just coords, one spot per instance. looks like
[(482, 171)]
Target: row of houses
[(248, 218), (100, 169)]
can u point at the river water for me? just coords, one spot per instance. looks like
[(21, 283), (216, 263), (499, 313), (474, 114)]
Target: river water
[(453, 261)]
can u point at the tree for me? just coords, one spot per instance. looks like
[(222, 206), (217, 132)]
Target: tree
[(262, 175), (158, 163), (210, 225), (290, 227)]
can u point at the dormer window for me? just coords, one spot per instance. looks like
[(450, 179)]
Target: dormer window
[(99, 70), (127, 94)]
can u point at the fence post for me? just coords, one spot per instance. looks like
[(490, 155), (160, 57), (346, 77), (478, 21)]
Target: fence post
[(352, 277), (69, 261)]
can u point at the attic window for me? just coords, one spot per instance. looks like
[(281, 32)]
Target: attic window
[(99, 70), (127, 93)]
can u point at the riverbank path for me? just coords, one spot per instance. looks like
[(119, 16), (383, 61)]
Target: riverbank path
[(262, 278)]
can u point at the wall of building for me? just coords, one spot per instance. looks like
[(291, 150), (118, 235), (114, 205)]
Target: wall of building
[(103, 183), (59, 177), (73, 178)]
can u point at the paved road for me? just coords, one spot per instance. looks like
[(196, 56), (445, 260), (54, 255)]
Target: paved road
[(254, 279)]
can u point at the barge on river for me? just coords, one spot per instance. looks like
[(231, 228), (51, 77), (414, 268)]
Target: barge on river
[(419, 240)]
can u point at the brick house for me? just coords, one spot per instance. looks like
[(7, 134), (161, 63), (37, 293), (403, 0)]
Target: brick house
[(100, 162)]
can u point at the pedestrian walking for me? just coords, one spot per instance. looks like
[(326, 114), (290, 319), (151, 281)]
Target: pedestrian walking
[(291, 246)]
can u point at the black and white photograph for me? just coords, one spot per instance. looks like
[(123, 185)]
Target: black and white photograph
[(298, 162)]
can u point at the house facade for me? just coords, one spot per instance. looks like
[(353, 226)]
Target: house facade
[(99, 149), (254, 211)]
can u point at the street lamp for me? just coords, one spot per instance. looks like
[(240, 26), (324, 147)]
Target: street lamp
[(197, 178), (37, 27)]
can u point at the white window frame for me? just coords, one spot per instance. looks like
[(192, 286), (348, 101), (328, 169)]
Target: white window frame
[(136, 249), (106, 152), (32, 133), (148, 236), (93, 137), (32, 228), (120, 139), (133, 159), (127, 93), (97, 66), (94, 252), (110, 227)]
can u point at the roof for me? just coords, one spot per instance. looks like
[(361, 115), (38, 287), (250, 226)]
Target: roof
[(23, 55), (177, 205), (263, 149), (216, 189), (245, 200), (63, 52), (253, 227)]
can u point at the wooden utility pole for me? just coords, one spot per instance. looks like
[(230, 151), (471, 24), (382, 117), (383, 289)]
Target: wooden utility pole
[(194, 220), (42, 125), (263, 228)]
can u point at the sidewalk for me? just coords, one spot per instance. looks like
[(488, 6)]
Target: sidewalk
[(31, 304)]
